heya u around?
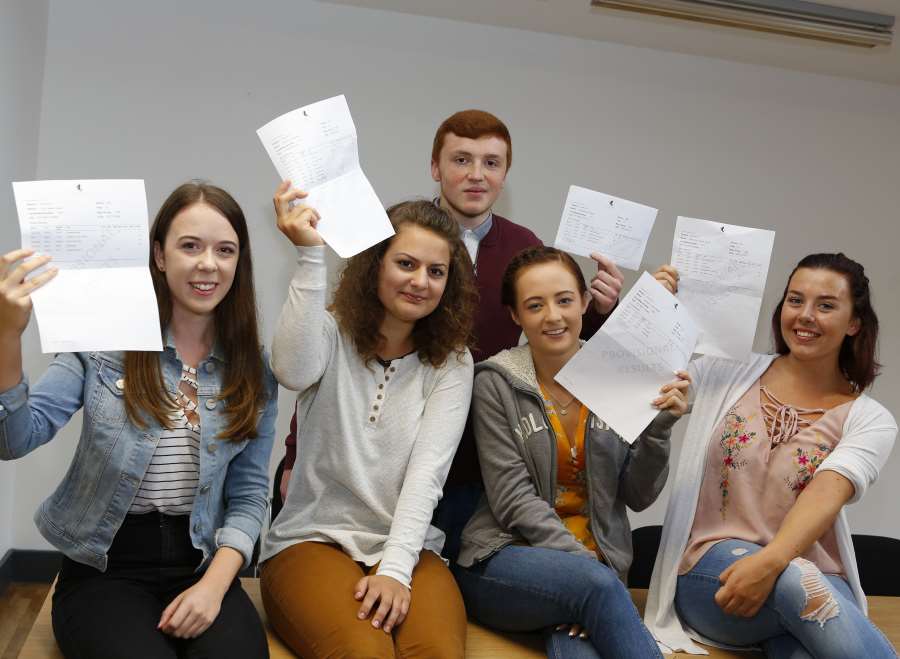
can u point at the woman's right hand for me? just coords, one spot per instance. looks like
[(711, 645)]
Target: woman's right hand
[(297, 222), (15, 291)]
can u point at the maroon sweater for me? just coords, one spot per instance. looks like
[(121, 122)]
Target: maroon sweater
[(494, 329)]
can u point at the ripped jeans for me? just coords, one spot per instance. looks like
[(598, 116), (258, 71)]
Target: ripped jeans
[(784, 627)]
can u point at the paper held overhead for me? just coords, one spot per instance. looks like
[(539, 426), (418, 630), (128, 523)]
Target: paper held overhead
[(619, 372), (597, 222), (96, 233), (315, 147), (722, 269)]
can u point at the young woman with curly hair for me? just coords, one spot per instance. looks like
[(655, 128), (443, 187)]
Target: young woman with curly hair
[(385, 380)]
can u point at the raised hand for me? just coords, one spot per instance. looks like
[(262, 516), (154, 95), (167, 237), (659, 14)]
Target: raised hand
[(297, 222), (674, 395), (606, 284), (668, 277), (15, 291)]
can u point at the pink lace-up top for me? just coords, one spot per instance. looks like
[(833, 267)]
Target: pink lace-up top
[(760, 457)]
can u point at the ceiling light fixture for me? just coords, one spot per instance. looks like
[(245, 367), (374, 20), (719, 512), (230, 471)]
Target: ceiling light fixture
[(796, 18)]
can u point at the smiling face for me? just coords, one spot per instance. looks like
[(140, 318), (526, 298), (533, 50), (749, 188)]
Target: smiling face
[(817, 314), (471, 173), (549, 308), (199, 259), (413, 273)]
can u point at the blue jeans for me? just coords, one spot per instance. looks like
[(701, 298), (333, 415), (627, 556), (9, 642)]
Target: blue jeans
[(523, 589), (779, 626)]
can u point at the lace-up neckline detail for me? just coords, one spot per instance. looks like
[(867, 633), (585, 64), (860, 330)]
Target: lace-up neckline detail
[(783, 420)]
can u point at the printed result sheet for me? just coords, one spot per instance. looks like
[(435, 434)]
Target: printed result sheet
[(722, 270), (96, 231), (316, 148), (597, 222), (619, 372)]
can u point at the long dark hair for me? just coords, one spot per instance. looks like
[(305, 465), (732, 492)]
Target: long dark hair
[(448, 328), (235, 321), (857, 358)]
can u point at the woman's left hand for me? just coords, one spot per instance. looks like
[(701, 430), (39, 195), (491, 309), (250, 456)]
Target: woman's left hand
[(575, 631), (192, 612), (674, 395), (393, 598), (746, 584)]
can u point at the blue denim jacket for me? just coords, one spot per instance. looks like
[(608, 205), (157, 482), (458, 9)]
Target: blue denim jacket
[(84, 513)]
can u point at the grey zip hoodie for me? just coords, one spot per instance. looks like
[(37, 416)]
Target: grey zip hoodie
[(517, 451)]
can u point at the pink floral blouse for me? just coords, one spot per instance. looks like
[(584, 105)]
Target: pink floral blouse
[(760, 457)]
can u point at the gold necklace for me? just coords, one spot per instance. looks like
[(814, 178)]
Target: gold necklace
[(562, 409)]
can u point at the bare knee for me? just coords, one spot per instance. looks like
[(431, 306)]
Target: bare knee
[(820, 604)]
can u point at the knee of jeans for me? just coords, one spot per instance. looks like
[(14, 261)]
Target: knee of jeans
[(603, 580), (820, 605)]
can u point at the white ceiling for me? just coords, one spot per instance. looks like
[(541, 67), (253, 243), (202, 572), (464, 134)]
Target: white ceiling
[(577, 18)]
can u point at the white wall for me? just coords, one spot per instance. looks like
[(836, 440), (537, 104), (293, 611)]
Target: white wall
[(23, 38), (168, 90)]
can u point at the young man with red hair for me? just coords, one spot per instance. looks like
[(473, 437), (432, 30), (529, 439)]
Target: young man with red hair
[(470, 158)]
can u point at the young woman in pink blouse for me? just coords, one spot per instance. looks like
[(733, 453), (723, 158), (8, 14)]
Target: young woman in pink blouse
[(755, 547)]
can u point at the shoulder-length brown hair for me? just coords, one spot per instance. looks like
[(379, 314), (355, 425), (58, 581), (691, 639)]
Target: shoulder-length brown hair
[(857, 358), (235, 322), (448, 328)]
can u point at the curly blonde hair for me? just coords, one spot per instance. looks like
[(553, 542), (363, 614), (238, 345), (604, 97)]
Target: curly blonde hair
[(447, 329)]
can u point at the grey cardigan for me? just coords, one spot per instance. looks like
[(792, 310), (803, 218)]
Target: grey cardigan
[(517, 450)]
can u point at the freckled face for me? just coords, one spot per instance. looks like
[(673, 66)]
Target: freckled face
[(413, 273), (549, 308), (817, 314), (199, 258), (471, 172)]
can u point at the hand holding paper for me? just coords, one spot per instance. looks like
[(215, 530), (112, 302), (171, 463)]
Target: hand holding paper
[(294, 220), (315, 147), (96, 232), (618, 374)]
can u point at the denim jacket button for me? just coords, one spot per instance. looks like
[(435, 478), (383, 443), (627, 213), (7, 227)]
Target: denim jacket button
[(120, 384), (1, 408), (210, 367), (197, 527), (210, 404), (204, 489), (211, 448)]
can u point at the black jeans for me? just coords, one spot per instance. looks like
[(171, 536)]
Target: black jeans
[(113, 614)]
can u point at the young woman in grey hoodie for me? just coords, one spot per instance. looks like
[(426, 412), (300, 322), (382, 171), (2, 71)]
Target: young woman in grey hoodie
[(550, 543)]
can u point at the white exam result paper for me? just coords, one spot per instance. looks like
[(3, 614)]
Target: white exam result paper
[(619, 372), (316, 148), (722, 272), (96, 231), (597, 222)]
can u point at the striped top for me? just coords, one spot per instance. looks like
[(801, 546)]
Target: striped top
[(171, 479)]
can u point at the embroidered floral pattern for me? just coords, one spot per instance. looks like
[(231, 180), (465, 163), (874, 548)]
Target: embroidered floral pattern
[(807, 462), (734, 438)]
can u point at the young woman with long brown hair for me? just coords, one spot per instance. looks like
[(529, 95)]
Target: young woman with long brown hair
[(351, 563), (167, 490), (756, 549)]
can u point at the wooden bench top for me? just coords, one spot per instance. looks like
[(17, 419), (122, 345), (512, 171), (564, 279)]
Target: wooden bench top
[(481, 643)]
